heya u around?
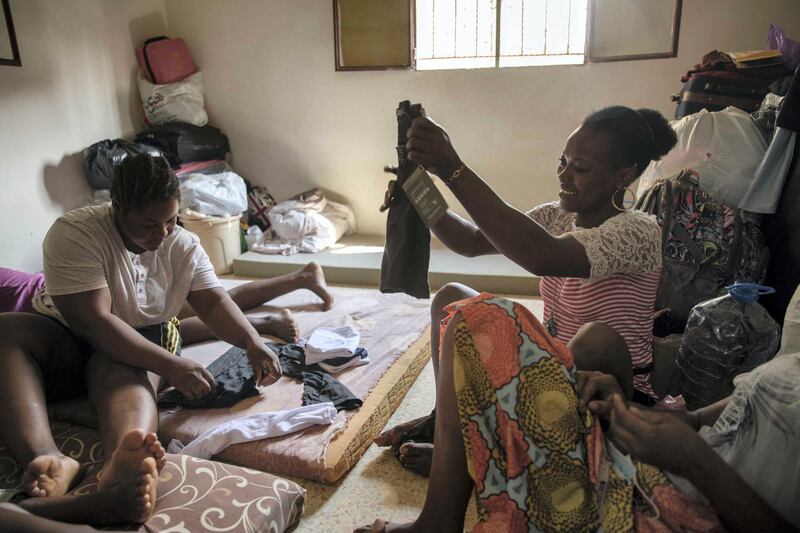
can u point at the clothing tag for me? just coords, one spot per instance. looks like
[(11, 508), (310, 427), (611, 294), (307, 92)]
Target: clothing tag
[(425, 197)]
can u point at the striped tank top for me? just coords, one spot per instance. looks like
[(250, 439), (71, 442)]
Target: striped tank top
[(625, 260)]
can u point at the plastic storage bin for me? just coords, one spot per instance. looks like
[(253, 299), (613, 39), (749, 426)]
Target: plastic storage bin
[(219, 237)]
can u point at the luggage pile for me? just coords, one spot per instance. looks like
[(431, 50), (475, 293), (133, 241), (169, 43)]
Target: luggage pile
[(213, 196), (739, 114), (738, 79)]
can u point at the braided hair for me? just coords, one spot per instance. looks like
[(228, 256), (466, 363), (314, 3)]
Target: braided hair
[(639, 136), (143, 179)]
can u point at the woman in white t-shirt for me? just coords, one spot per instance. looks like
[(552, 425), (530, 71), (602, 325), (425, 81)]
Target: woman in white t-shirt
[(115, 277), (599, 262)]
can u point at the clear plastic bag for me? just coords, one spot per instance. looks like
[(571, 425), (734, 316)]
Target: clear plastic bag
[(724, 337), (723, 147), (220, 194)]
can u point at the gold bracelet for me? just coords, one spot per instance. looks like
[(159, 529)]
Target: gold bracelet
[(456, 173)]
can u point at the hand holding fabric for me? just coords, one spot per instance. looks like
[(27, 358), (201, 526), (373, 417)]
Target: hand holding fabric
[(190, 378), (391, 188), (659, 438), (595, 389), (265, 364), (429, 145)]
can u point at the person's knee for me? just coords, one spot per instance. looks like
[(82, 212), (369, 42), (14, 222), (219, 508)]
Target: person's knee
[(452, 292), (598, 346), (32, 334), (447, 353), (104, 373)]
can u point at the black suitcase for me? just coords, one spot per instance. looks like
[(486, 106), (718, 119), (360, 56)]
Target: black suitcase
[(704, 91), (184, 143)]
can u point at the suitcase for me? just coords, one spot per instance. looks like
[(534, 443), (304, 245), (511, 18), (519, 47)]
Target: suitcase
[(185, 143), (165, 60), (715, 91)]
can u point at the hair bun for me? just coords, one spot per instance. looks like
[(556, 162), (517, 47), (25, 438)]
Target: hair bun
[(664, 137)]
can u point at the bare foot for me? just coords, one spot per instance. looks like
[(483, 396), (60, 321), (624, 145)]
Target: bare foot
[(283, 326), (126, 502), (391, 437), (382, 526), (126, 460), (314, 280), (51, 475), (417, 457), (157, 450)]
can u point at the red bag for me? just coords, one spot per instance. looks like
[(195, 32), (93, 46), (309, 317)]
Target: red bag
[(165, 60)]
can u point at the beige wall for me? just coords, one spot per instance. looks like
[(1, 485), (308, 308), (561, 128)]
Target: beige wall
[(75, 86), (294, 122)]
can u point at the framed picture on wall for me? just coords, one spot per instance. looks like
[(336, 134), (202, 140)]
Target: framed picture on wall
[(9, 51), (373, 34), (649, 29)]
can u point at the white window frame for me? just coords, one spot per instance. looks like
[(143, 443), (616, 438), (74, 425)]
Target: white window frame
[(663, 46), (498, 58)]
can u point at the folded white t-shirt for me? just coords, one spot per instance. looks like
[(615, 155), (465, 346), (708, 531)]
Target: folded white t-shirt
[(329, 343)]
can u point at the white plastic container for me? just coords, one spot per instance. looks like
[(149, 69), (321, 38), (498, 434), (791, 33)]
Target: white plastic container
[(219, 237)]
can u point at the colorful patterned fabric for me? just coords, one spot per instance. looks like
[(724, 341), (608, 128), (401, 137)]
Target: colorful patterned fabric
[(537, 457)]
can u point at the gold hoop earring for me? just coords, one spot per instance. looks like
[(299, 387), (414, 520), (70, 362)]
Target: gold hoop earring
[(614, 199)]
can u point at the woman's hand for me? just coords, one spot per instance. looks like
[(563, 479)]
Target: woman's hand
[(391, 188), (266, 366), (659, 438), (429, 145), (190, 378), (595, 390)]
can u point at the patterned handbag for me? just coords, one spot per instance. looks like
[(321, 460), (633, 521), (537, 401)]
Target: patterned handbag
[(706, 245), (259, 202)]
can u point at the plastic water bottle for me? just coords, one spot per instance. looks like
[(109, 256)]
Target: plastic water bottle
[(724, 337)]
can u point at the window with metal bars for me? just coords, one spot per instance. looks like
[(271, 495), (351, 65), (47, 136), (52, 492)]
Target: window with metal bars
[(499, 33)]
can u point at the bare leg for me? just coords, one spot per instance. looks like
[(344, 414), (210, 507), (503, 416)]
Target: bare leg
[(29, 343), (124, 398), (116, 505), (599, 347), (257, 292), (14, 521), (417, 456), (282, 325), (450, 484)]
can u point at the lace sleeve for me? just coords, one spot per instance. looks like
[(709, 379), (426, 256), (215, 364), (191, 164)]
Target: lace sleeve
[(628, 243), (552, 218)]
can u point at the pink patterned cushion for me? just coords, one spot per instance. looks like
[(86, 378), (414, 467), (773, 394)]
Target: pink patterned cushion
[(193, 494)]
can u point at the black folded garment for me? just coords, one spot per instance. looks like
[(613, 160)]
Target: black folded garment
[(407, 253), (319, 385), (234, 381)]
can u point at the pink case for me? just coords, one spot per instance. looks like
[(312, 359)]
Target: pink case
[(164, 60)]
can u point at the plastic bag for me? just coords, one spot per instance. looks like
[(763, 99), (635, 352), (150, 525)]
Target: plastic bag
[(723, 147), (214, 194), (790, 336), (307, 223), (724, 337), (181, 101), (100, 159), (777, 40)]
